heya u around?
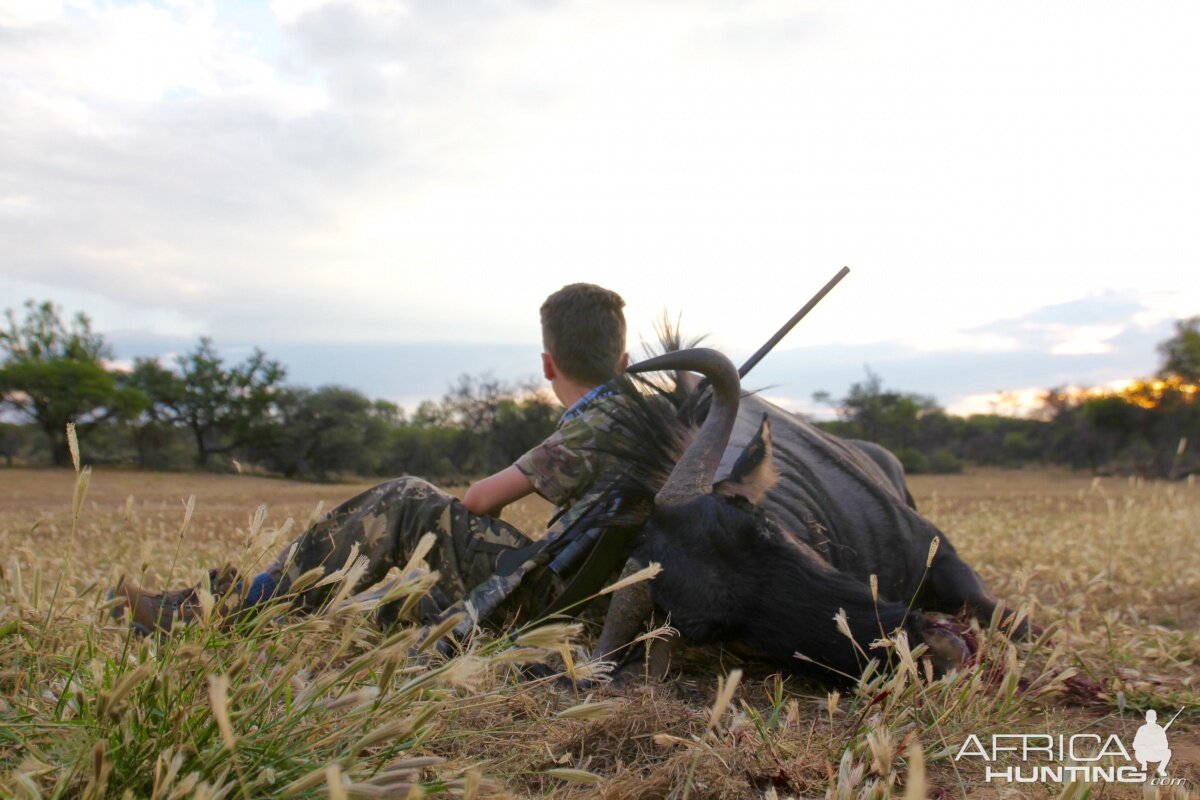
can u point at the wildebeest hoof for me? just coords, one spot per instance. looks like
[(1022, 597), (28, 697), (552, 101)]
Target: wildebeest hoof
[(628, 677), (538, 671), (951, 647), (565, 683), (557, 679)]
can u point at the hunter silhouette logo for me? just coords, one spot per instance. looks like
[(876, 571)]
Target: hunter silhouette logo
[(1081, 757), (1150, 742)]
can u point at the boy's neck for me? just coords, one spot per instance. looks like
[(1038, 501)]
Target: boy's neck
[(568, 391)]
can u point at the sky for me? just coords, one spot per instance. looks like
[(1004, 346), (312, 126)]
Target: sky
[(380, 194)]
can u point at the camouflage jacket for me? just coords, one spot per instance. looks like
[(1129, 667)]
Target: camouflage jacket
[(565, 466)]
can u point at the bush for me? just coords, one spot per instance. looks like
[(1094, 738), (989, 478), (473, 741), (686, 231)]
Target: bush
[(914, 461), (18, 443), (943, 462)]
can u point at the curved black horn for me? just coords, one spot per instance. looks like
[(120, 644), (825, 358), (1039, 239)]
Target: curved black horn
[(693, 473)]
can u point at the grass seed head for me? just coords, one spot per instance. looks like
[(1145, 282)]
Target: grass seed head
[(218, 695), (933, 548), (73, 445), (726, 688), (647, 573), (554, 636), (580, 776), (590, 710)]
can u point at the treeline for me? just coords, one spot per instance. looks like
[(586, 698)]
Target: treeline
[(1151, 427), (203, 412), (200, 411)]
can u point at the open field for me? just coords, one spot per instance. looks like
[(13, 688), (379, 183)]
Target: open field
[(325, 706)]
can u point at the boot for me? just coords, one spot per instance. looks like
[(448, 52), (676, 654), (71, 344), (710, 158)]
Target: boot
[(151, 612)]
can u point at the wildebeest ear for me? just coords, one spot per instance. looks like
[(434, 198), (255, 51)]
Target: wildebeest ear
[(754, 472)]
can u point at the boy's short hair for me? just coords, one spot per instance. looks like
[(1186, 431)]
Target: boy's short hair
[(583, 329)]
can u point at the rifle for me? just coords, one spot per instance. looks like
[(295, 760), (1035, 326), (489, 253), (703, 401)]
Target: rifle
[(791, 323), (1177, 713)]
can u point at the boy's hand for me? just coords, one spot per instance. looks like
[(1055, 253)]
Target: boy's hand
[(490, 495)]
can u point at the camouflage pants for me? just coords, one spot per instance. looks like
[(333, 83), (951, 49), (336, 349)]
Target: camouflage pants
[(386, 522)]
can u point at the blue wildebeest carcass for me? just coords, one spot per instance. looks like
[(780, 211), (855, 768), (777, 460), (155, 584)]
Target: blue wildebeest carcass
[(767, 528)]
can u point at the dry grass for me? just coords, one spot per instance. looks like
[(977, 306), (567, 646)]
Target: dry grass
[(325, 706)]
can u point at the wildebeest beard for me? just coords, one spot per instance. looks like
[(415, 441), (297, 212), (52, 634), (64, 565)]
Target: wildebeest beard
[(730, 572)]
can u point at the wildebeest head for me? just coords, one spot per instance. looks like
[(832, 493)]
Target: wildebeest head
[(730, 573)]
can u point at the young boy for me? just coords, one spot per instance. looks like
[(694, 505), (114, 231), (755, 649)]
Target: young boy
[(583, 334)]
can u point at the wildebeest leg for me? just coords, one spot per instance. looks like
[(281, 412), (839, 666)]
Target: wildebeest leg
[(652, 660), (955, 585), (660, 653), (627, 613)]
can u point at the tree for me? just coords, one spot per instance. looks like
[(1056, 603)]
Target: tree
[(499, 421), (225, 408), (327, 431), (12, 441), (520, 423), (53, 373), (153, 424), (1181, 353), (890, 418)]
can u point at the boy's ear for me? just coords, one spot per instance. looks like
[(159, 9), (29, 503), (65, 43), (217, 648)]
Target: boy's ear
[(549, 369), (624, 362)]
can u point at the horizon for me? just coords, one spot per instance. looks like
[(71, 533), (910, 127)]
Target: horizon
[(443, 364)]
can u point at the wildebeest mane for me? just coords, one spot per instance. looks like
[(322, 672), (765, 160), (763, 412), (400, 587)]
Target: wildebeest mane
[(647, 433)]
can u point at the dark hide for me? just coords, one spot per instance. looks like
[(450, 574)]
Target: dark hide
[(840, 499), (886, 460), (731, 575)]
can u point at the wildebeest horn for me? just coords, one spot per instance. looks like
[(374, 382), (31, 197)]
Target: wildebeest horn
[(693, 473)]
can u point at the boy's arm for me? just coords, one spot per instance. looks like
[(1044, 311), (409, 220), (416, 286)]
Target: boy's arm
[(490, 495)]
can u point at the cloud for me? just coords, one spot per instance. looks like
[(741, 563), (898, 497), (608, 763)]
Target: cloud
[(20, 14), (1085, 325), (1089, 341), (141, 140), (1016, 402), (362, 170), (1085, 339), (156, 159)]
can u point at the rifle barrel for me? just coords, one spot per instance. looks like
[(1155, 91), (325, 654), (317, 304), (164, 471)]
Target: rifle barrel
[(791, 323)]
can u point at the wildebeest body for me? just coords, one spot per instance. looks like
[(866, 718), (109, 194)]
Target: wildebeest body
[(768, 562), (834, 496)]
